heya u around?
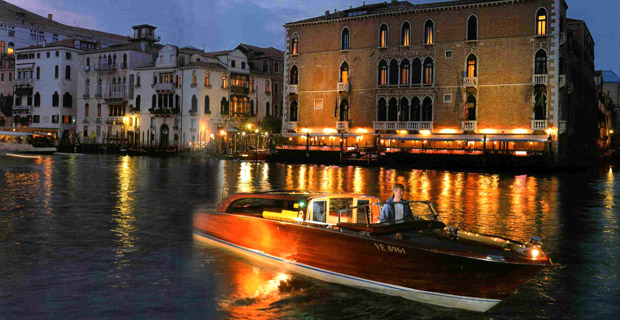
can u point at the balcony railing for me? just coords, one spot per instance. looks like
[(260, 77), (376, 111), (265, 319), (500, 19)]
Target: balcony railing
[(164, 87), (562, 80), (114, 120), (471, 126), (470, 81), (86, 95), (116, 95), (238, 89), (342, 125), (23, 82), (539, 125), (344, 87), (539, 79), (403, 125), (22, 108), (105, 67), (291, 125), (85, 120), (98, 120), (293, 89)]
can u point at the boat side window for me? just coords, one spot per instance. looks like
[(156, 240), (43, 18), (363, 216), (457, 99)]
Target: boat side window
[(336, 204), (318, 210), (256, 206), (362, 210)]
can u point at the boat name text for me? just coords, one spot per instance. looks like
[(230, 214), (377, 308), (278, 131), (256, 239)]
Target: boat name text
[(389, 248)]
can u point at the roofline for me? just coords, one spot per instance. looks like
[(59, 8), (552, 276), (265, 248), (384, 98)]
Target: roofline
[(449, 5)]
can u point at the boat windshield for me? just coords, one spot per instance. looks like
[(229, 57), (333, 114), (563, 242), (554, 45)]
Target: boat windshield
[(369, 213), (40, 141)]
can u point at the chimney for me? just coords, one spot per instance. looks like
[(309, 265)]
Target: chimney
[(326, 13), (49, 16)]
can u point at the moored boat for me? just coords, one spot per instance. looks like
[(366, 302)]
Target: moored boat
[(18, 142), (338, 238)]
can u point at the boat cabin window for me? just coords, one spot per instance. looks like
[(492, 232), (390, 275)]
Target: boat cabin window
[(336, 204), (318, 210), (256, 206)]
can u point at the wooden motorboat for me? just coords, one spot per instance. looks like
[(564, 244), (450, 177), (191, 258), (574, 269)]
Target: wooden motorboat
[(338, 238), (19, 142)]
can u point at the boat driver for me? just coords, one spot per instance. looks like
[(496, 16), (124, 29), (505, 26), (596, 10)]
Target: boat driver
[(395, 212)]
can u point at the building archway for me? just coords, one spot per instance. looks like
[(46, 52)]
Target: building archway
[(163, 136)]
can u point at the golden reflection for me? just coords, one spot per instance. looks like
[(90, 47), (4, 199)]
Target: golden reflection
[(358, 180), (245, 177), (124, 219)]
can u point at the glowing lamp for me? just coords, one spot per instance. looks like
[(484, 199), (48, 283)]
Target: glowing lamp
[(305, 130), (448, 131), (520, 131), (222, 132), (535, 253), (402, 131), (361, 130), (425, 132), (488, 131), (329, 130)]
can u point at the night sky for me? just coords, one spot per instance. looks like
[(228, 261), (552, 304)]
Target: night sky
[(222, 24)]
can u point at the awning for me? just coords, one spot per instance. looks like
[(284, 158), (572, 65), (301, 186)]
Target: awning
[(518, 137), (434, 137)]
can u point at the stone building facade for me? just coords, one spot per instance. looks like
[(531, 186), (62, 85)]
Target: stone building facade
[(441, 76)]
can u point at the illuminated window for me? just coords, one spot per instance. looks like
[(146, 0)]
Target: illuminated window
[(383, 35), (404, 71), (344, 72), (428, 32), (428, 71), (405, 34), (206, 80), (472, 28), (294, 75), (345, 39), (193, 78), (471, 66), (224, 85), (383, 73), (267, 86), (2, 47), (251, 83), (295, 44), (541, 22), (11, 48)]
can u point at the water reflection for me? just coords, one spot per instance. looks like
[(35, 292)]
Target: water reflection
[(123, 217)]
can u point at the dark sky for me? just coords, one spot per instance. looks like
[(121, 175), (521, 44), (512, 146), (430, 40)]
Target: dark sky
[(222, 24)]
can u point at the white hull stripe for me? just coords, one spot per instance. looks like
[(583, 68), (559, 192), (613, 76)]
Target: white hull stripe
[(442, 299)]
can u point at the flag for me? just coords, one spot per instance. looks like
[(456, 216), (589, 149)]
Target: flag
[(336, 108)]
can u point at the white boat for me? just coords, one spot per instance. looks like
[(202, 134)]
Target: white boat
[(17, 142)]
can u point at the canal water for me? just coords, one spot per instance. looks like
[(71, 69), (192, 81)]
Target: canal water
[(99, 236)]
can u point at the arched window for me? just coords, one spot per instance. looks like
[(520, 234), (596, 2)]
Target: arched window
[(383, 35), (344, 72), (56, 72), (416, 110), (293, 111), (99, 86), (393, 72), (224, 106), (2, 47), (114, 60), (404, 71), (177, 101), (154, 101), (124, 65), (110, 60), (428, 32), (416, 71), (38, 73), (277, 111), (344, 110), (194, 104), (267, 111), (37, 99), (540, 66), (207, 107), (383, 73), (295, 44), (427, 109), (138, 100), (470, 109), (55, 99), (87, 87), (404, 109), (393, 110), (344, 41), (381, 110), (99, 110), (267, 86), (472, 28), (294, 76), (252, 113), (265, 66), (541, 22), (67, 100), (472, 66), (428, 71), (405, 34), (86, 110), (540, 106), (87, 61)]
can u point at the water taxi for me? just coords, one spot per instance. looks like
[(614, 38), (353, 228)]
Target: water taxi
[(339, 238), (18, 142)]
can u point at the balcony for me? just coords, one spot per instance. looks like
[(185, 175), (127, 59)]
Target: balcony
[(239, 89), (115, 95), (164, 87), (98, 120), (104, 67), (98, 95), (539, 79), (469, 126), (293, 89), (344, 87), (562, 81), (291, 125), (403, 125), (470, 82), (23, 82), (86, 95), (22, 109), (539, 125), (85, 120), (342, 125), (114, 120)]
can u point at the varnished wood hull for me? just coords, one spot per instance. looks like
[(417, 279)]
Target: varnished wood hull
[(381, 265)]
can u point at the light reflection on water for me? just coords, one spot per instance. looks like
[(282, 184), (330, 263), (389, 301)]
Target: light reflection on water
[(128, 221)]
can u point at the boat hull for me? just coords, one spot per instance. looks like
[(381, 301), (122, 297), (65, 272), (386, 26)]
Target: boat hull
[(376, 264)]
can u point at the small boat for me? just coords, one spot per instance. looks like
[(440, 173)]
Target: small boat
[(18, 142), (338, 238)]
